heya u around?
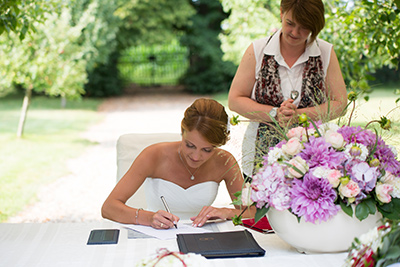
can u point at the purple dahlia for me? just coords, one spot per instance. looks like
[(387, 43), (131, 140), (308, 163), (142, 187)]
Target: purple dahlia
[(313, 198)]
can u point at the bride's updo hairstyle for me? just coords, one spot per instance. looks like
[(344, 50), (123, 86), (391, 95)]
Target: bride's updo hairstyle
[(209, 118)]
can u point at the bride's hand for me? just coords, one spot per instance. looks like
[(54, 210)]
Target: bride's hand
[(163, 220), (210, 213)]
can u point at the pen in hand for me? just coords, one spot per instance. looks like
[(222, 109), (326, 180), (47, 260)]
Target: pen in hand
[(167, 208)]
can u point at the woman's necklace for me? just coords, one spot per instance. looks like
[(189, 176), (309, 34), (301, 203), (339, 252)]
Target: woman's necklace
[(192, 174), (294, 94)]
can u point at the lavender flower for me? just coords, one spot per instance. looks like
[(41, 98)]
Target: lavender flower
[(313, 198), (270, 188), (319, 153), (365, 176)]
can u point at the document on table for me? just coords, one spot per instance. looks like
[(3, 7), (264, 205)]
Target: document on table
[(183, 228)]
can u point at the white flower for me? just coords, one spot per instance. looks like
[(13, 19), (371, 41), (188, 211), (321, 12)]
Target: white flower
[(274, 155), (390, 179), (334, 138), (300, 164), (350, 190), (362, 156), (292, 147), (327, 127), (296, 132), (383, 192), (333, 176), (320, 172)]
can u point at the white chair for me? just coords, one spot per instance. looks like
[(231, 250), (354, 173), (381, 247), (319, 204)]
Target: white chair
[(129, 147)]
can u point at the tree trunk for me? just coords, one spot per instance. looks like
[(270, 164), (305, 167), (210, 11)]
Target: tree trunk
[(24, 111)]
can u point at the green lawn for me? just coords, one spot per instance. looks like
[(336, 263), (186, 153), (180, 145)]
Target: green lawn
[(51, 136)]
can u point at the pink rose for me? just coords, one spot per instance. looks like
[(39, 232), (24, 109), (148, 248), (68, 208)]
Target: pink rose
[(383, 192), (296, 132), (334, 177), (292, 147), (334, 138), (350, 190), (300, 164)]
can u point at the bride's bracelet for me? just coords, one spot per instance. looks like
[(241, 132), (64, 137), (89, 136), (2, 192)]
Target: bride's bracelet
[(137, 215)]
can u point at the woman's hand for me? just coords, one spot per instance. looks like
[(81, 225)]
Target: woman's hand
[(210, 213), (163, 220), (287, 112)]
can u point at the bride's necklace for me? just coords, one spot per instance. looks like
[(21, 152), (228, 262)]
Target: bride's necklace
[(293, 94), (192, 174)]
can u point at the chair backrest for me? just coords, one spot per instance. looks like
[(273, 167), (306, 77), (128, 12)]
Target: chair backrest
[(129, 147)]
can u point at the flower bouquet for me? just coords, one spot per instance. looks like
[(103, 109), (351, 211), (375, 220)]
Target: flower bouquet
[(321, 168), (378, 247), (323, 177)]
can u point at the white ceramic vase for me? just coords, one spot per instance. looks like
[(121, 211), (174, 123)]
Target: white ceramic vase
[(334, 235)]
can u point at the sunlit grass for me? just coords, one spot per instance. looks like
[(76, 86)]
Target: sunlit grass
[(51, 137)]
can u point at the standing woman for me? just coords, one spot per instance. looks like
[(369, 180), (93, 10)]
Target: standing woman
[(284, 75), (187, 173)]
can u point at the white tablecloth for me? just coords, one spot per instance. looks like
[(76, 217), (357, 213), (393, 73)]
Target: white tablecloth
[(64, 244)]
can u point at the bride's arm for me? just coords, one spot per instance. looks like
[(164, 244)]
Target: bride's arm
[(234, 182), (114, 208)]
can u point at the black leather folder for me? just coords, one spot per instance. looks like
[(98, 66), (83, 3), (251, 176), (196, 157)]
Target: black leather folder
[(221, 244)]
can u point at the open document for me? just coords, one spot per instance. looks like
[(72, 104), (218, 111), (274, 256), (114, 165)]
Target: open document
[(182, 228)]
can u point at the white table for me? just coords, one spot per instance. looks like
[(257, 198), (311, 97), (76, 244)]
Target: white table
[(64, 244)]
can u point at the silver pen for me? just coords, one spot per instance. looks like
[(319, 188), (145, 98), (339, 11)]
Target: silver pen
[(167, 208)]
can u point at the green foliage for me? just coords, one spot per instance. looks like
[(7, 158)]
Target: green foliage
[(207, 72), (18, 16), (366, 37), (55, 58), (151, 22), (104, 80), (389, 252), (260, 213), (154, 64), (248, 20)]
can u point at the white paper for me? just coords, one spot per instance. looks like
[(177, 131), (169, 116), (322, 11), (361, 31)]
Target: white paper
[(170, 233)]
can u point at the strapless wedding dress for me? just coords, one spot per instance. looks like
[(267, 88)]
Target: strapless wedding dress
[(184, 203)]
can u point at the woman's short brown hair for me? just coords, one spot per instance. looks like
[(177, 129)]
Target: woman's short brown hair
[(209, 118), (308, 13)]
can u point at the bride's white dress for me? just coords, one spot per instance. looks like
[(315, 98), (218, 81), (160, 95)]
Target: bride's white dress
[(184, 203)]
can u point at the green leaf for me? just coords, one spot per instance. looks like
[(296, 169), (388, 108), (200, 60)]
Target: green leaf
[(362, 210), (390, 210), (347, 209), (393, 252), (397, 2), (237, 220), (260, 213)]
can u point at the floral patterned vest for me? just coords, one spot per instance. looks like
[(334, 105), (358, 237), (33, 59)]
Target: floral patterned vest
[(268, 91)]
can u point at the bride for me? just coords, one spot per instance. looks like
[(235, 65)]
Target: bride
[(187, 173)]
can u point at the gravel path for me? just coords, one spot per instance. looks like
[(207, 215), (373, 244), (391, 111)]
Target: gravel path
[(79, 196)]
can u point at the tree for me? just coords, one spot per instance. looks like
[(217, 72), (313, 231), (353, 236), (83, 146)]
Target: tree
[(19, 16), (55, 58), (366, 36), (207, 72), (152, 22), (248, 21), (142, 22)]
